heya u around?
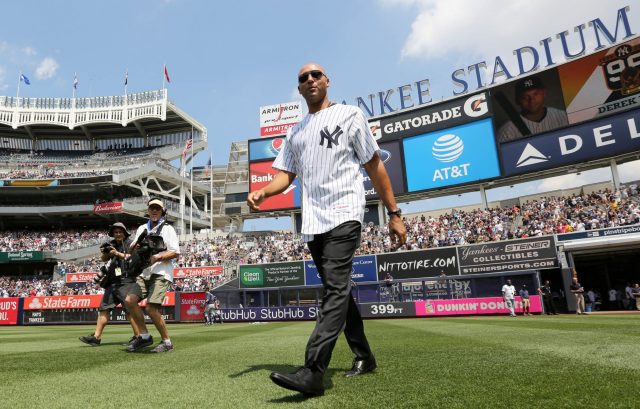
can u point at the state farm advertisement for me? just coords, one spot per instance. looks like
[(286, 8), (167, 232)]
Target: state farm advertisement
[(276, 119), (9, 311), (192, 306), (113, 207), (260, 174), (472, 306), (78, 301), (84, 277), (185, 272)]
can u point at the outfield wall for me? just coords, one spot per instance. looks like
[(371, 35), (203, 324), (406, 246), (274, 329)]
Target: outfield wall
[(190, 308)]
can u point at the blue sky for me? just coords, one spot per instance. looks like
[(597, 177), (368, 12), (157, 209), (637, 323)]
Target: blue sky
[(226, 59)]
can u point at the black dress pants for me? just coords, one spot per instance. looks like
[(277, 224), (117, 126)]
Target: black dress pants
[(333, 253)]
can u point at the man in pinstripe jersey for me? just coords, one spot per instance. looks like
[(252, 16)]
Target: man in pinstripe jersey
[(325, 151)]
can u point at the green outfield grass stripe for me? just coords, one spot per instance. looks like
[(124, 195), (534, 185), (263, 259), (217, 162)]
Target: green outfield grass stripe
[(423, 363)]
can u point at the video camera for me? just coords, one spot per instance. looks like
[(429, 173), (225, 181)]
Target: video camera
[(104, 277), (105, 248), (148, 245)]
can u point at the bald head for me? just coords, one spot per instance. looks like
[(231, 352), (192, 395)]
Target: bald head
[(311, 66)]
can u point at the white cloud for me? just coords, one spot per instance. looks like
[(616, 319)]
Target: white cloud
[(47, 68), (30, 51), (482, 30)]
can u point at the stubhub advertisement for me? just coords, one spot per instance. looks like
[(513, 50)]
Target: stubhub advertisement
[(364, 269), (452, 156)]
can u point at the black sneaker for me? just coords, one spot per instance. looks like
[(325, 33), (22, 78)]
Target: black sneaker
[(90, 340), (139, 343), (126, 344)]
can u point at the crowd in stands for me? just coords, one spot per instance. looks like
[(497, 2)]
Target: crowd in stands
[(49, 173), (546, 215), (38, 286), (57, 241)]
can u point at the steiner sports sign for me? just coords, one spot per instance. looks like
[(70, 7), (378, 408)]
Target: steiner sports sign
[(276, 119), (113, 207), (505, 256), (183, 272)]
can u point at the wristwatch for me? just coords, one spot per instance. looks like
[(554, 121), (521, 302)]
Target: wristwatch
[(397, 212)]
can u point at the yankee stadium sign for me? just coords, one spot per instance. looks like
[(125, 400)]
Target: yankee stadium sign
[(527, 59)]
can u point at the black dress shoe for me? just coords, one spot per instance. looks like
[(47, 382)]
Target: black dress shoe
[(304, 380), (361, 367)]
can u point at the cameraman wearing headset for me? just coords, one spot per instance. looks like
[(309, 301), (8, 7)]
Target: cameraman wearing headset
[(114, 281), (154, 280)]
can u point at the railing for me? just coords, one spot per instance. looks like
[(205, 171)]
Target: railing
[(71, 112)]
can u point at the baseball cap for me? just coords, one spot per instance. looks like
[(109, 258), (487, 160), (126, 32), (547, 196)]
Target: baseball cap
[(527, 84), (156, 202), (119, 225)]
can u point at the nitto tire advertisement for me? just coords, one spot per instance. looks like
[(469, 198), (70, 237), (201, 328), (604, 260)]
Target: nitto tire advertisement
[(417, 264)]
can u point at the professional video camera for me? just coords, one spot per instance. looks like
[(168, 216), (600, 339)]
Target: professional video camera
[(147, 246), (106, 274), (106, 247)]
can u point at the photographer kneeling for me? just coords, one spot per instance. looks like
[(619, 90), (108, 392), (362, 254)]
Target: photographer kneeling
[(113, 279), (154, 247)]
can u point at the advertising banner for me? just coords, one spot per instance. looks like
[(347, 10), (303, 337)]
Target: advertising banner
[(602, 83), (505, 256), (192, 306), (211, 271), (269, 314), (260, 174), (417, 264), (61, 302), (72, 316), (388, 310), (84, 277), (272, 275), (392, 159), (588, 234), (364, 269), (435, 117), (9, 310), (11, 256), (267, 148), (599, 138), (528, 106), (465, 153), (113, 207), (276, 119), (472, 306)]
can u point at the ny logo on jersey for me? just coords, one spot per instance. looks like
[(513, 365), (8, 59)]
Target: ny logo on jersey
[(332, 138)]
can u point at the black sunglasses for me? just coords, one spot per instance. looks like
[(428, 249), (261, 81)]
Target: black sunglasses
[(316, 74)]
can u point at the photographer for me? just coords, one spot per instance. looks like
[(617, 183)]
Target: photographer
[(113, 279), (154, 280)]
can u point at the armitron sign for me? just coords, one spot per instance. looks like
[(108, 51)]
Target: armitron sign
[(113, 207), (276, 119)]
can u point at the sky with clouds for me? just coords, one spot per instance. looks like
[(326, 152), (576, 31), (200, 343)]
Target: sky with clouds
[(226, 59)]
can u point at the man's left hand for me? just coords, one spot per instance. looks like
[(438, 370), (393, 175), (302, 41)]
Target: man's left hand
[(397, 231)]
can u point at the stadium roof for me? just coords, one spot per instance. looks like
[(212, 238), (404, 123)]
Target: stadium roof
[(142, 114)]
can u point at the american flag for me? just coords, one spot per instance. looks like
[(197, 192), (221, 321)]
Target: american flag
[(187, 146)]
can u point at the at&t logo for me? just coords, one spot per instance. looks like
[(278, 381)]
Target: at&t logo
[(448, 148)]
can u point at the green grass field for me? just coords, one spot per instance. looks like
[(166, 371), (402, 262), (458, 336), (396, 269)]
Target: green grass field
[(551, 362)]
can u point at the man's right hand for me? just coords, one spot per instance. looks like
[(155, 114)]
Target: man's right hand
[(255, 198)]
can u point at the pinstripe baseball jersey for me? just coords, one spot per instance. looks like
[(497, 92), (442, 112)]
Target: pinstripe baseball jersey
[(554, 118), (325, 150)]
